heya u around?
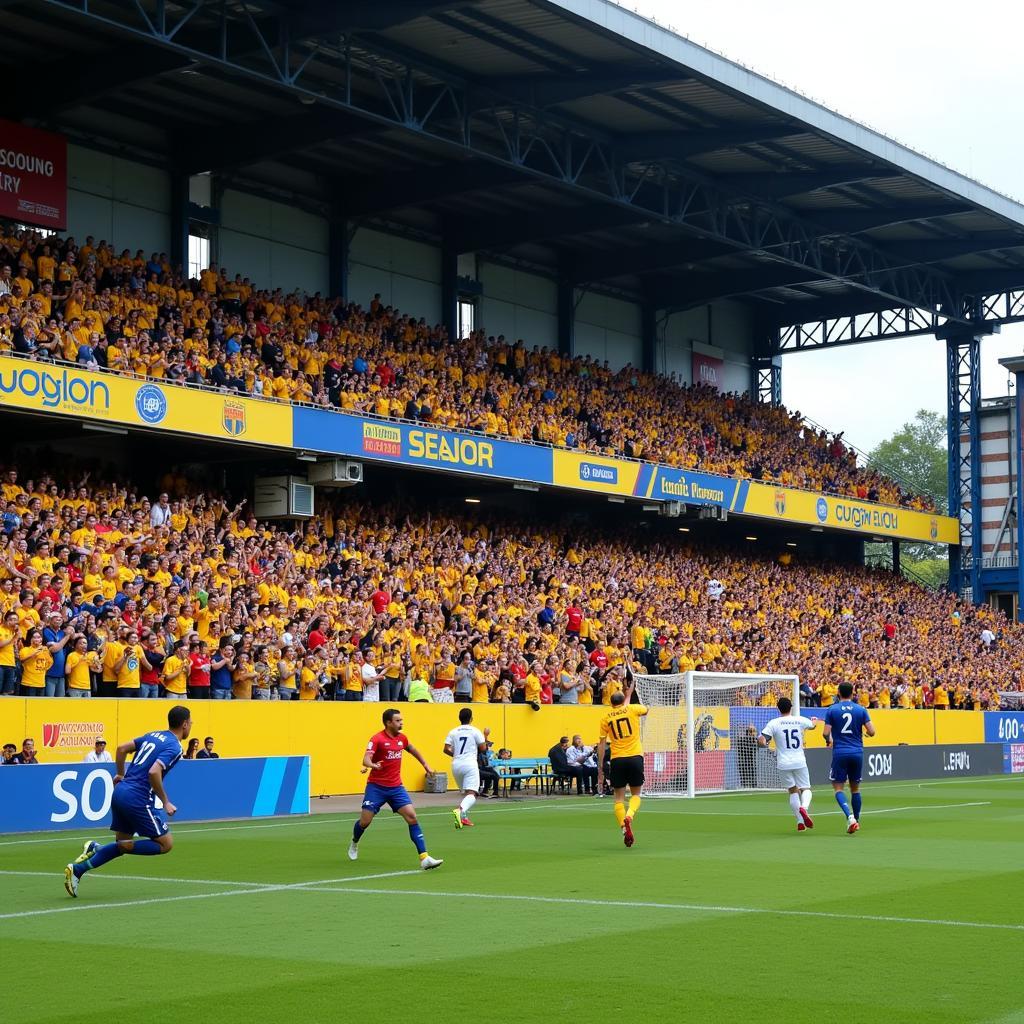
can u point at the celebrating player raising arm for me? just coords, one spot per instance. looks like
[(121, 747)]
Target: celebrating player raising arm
[(621, 728), (788, 733), (133, 810), (383, 760), (845, 723), (463, 745)]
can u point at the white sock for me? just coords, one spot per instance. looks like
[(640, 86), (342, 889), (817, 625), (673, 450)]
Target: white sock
[(805, 799), (794, 803), (467, 801)]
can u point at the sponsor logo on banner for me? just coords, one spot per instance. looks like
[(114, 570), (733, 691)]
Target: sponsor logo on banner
[(73, 797), (59, 389), (33, 175), (707, 370), (70, 735), (821, 510), (1017, 758), (454, 449), (956, 761), (780, 503), (233, 418), (933, 528), (150, 403), (380, 439), (592, 472), (879, 765)]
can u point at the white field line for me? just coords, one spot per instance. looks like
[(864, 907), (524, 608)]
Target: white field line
[(330, 885), (299, 886), (335, 818), (693, 907), (817, 814)]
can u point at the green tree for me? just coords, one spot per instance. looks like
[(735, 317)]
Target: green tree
[(917, 457)]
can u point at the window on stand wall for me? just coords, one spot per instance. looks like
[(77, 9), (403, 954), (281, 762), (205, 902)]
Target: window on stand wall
[(198, 255), (467, 318)]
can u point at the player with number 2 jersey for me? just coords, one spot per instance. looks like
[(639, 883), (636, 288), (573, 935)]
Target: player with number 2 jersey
[(845, 725)]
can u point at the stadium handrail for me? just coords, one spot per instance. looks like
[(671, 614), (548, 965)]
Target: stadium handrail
[(865, 461), (142, 378)]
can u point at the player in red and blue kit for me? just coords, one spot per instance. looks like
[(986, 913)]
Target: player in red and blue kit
[(845, 724), (383, 760), (133, 810)]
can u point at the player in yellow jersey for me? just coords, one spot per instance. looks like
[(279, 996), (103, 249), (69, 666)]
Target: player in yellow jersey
[(621, 728)]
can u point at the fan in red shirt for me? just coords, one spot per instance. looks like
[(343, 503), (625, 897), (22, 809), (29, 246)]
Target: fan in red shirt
[(380, 599), (573, 619), (199, 671), (383, 760)]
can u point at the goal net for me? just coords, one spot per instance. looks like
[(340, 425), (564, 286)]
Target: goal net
[(700, 732)]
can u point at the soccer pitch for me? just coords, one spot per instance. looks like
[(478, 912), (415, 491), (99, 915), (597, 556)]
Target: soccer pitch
[(721, 912)]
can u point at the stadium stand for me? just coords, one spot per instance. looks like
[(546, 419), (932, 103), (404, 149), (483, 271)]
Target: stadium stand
[(376, 596), (134, 314)]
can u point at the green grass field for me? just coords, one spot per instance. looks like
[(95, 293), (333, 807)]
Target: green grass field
[(720, 913)]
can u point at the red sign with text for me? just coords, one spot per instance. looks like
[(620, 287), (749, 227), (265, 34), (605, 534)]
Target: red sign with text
[(707, 370), (33, 176)]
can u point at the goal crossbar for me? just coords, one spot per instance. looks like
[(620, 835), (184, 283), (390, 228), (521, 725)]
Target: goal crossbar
[(680, 725)]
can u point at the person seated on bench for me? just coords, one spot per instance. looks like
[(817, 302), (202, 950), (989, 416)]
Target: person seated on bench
[(560, 766), (582, 759), (506, 755), (488, 776)]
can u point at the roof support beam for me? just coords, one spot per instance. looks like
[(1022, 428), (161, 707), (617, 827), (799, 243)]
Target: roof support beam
[(852, 222), (550, 90), (253, 142), (699, 289), (500, 233), (681, 145), (646, 258), (795, 183), (373, 79), (363, 197)]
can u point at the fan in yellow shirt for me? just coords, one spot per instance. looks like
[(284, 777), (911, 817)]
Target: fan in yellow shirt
[(80, 662), (621, 728)]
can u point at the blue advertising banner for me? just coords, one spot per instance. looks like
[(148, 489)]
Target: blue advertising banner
[(411, 444), (693, 488), (42, 797), (1004, 726)]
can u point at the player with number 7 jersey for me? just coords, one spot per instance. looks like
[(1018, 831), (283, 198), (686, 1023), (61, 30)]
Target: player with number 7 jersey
[(621, 729)]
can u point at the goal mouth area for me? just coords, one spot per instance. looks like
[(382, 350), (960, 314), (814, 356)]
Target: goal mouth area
[(700, 732)]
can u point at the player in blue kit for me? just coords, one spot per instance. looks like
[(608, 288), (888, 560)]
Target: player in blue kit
[(139, 827), (845, 724)]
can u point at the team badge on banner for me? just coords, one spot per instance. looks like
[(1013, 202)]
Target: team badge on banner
[(233, 419), (780, 503)]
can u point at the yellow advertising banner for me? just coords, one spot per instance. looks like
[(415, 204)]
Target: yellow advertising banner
[(150, 404), (792, 506), (594, 472), (333, 734)]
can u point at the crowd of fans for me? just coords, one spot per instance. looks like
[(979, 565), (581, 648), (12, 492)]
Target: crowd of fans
[(128, 313), (105, 592)]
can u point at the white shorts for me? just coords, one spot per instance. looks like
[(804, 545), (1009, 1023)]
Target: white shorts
[(467, 777), (798, 777)]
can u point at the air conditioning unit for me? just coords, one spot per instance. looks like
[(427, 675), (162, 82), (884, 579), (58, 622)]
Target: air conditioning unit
[(671, 509), (335, 473), (282, 497)]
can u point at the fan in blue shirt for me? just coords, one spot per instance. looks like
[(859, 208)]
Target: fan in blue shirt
[(845, 725), (139, 826)]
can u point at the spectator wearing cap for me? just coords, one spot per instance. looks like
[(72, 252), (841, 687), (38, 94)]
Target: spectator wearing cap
[(8, 754), (99, 754)]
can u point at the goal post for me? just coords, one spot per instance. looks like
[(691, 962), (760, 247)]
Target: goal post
[(700, 732)]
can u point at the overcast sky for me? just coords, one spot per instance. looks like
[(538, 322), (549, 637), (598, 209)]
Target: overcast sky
[(939, 77)]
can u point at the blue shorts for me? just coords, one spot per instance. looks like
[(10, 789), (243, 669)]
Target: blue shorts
[(376, 797), (846, 766), (133, 816)]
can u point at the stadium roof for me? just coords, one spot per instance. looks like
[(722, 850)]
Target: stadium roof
[(571, 135)]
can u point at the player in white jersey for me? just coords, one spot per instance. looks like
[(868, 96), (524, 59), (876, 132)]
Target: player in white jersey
[(463, 745), (788, 733)]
